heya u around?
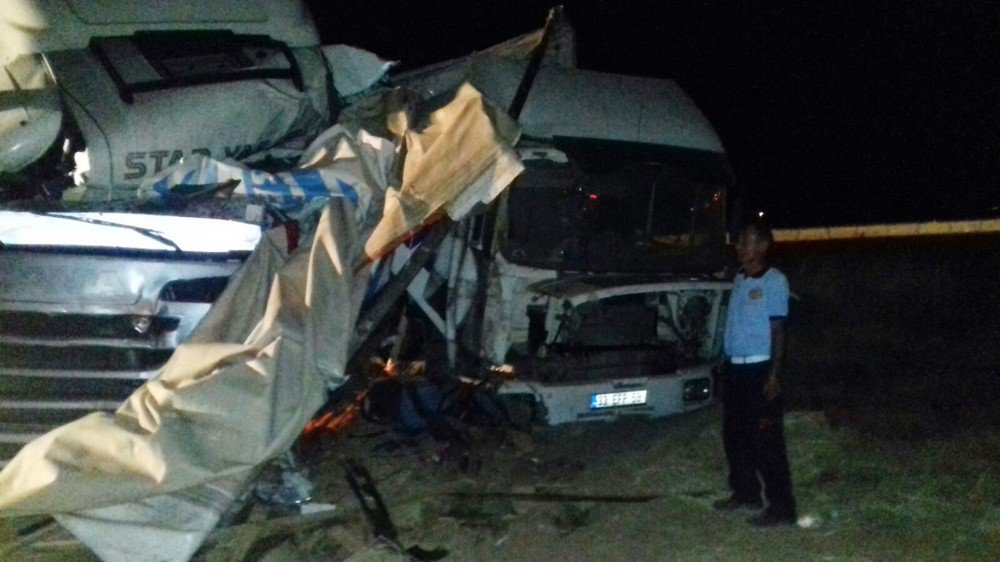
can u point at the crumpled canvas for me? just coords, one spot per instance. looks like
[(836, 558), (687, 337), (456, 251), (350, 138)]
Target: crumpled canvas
[(149, 482), (434, 181), (337, 163)]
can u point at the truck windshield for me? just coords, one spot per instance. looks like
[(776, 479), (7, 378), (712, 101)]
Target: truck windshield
[(636, 217)]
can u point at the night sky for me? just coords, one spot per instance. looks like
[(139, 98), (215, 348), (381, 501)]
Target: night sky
[(832, 112)]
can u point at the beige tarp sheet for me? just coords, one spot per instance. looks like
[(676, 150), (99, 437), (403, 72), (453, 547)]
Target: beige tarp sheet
[(434, 181), (148, 482)]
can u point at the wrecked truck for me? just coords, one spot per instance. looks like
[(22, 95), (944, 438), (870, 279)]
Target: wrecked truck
[(598, 280), (97, 288)]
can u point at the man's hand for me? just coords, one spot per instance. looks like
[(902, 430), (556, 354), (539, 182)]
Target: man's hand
[(772, 388)]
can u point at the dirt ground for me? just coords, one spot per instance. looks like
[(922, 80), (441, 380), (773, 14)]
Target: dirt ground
[(648, 488), (862, 497)]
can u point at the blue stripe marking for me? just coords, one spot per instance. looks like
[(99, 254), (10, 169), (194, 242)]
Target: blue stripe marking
[(161, 187), (273, 186), (213, 175), (349, 192), (311, 183)]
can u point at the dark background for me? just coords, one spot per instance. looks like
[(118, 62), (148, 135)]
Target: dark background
[(832, 112)]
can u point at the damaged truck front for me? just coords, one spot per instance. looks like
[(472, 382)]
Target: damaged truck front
[(600, 295), (600, 276), (97, 99)]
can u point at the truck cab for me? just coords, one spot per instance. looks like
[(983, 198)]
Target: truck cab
[(97, 97), (600, 276), (603, 294)]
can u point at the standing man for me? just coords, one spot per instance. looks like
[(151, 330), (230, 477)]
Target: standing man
[(752, 422)]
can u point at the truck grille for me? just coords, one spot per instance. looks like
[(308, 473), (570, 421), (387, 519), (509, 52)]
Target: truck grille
[(77, 348)]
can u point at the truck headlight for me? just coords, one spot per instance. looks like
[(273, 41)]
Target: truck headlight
[(697, 390)]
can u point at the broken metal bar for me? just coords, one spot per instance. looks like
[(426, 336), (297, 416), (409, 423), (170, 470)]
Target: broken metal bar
[(534, 63), (489, 220), (396, 288), (363, 486)]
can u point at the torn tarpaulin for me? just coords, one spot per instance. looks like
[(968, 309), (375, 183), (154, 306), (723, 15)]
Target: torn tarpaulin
[(150, 482), (462, 157), (434, 180), (336, 164)]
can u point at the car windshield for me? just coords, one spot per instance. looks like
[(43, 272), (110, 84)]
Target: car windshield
[(636, 217)]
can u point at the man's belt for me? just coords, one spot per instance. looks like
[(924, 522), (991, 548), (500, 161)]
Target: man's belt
[(747, 359)]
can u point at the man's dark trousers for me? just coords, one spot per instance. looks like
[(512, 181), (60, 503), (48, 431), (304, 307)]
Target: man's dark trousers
[(754, 440)]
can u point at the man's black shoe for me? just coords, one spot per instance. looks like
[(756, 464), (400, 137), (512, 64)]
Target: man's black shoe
[(736, 504), (772, 519)]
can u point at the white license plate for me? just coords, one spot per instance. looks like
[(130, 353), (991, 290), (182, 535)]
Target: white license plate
[(615, 399)]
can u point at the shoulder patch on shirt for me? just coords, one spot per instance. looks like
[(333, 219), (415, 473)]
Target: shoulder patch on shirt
[(756, 294)]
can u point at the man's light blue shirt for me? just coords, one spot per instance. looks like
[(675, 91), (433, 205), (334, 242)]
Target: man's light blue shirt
[(753, 303)]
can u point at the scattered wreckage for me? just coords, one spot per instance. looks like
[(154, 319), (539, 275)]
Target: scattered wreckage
[(574, 242)]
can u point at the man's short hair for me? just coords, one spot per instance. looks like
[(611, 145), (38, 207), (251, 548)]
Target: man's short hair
[(760, 228)]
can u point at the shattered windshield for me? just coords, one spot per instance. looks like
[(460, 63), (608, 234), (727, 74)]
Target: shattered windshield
[(636, 217)]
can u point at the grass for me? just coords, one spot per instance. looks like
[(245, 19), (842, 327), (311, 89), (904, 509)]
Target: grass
[(934, 499), (869, 498)]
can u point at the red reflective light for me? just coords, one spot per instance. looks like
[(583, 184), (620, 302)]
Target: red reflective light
[(592, 197)]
